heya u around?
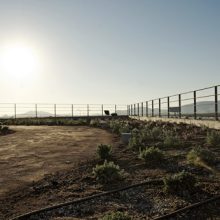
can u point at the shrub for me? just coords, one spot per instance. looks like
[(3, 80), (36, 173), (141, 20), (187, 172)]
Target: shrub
[(4, 130), (107, 172), (152, 156), (124, 128), (213, 138), (104, 151), (157, 133), (179, 183), (135, 141), (115, 126), (171, 140), (116, 216), (94, 123), (200, 155)]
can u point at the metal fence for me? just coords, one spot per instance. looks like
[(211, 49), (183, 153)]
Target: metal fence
[(197, 104), (27, 110)]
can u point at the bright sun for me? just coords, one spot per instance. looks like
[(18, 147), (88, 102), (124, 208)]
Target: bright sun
[(19, 61)]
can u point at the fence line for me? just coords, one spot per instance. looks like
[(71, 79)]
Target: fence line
[(198, 104), (38, 110)]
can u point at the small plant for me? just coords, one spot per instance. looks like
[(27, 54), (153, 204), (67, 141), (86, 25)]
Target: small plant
[(135, 142), (157, 133), (115, 125), (213, 138), (171, 140), (116, 216), (94, 123), (4, 130), (152, 156), (107, 172), (104, 151), (179, 183), (199, 156)]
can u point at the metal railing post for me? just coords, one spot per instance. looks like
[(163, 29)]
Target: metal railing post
[(15, 111), (194, 97), (102, 109), (180, 106), (152, 108), (115, 108), (134, 109), (216, 102), (138, 109), (55, 110), (168, 106), (36, 111), (87, 110), (159, 107), (142, 109), (72, 110), (131, 110), (146, 108)]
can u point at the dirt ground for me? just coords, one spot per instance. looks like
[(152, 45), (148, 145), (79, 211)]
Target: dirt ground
[(35, 151)]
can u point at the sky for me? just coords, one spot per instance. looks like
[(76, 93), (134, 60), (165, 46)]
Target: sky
[(107, 51)]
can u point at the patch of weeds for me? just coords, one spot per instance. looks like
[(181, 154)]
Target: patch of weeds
[(180, 183), (115, 126), (198, 156), (95, 123), (157, 133), (152, 156), (107, 173), (104, 151), (116, 216), (4, 130), (171, 140), (124, 128), (135, 142), (213, 138)]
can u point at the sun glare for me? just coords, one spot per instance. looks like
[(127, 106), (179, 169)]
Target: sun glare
[(19, 61)]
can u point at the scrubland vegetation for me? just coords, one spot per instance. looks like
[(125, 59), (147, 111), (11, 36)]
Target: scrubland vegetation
[(183, 158)]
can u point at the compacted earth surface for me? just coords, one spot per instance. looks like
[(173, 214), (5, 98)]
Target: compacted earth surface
[(53, 165), (34, 151)]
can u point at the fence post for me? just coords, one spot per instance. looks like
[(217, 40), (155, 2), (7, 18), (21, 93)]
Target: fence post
[(216, 102), (72, 110), (55, 110), (159, 108), (142, 109), (87, 110), (146, 108), (180, 105), (138, 109), (102, 109), (36, 110), (15, 109), (152, 108), (194, 97), (115, 108), (168, 106), (127, 110), (134, 109)]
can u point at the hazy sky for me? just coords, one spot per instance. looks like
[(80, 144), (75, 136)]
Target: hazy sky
[(110, 51)]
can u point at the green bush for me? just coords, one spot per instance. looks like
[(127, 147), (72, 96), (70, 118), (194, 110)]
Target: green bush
[(199, 155), (213, 138), (171, 140), (135, 142), (4, 130), (116, 216), (107, 172), (179, 183), (152, 156), (104, 151)]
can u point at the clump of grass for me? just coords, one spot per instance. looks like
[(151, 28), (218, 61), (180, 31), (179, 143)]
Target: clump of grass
[(213, 138), (157, 133), (4, 130), (152, 156), (104, 151), (171, 140), (179, 183), (135, 142), (95, 123), (116, 216), (201, 156), (115, 126), (107, 173)]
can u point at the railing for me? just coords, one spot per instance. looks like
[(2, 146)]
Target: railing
[(197, 104), (27, 110)]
